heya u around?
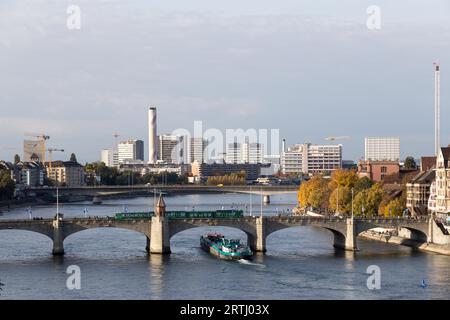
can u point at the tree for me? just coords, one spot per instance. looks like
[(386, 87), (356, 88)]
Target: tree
[(363, 184), (343, 178), (314, 193), (73, 157), (410, 163), (7, 185), (367, 201), (16, 159), (344, 197), (393, 209)]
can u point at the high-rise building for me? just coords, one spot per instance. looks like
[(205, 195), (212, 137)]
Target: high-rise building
[(382, 149), (197, 149), (172, 149), (110, 157), (130, 150), (310, 159), (244, 153), (233, 153), (252, 153), (152, 136), (33, 150)]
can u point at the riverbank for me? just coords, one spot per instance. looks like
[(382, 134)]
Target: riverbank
[(428, 247)]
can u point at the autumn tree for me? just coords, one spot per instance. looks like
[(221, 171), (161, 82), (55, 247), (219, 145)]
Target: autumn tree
[(393, 209), (314, 193), (343, 195)]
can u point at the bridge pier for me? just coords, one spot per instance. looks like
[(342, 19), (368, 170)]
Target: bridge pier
[(257, 242), (58, 238), (346, 241), (147, 247), (160, 234)]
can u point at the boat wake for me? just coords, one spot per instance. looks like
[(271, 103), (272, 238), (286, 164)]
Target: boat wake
[(247, 262)]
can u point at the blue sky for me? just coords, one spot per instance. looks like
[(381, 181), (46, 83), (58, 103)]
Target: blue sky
[(309, 68)]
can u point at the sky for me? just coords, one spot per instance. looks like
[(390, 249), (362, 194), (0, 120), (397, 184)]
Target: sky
[(311, 69)]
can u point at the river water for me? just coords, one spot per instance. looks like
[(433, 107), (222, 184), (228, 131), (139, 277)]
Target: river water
[(300, 262)]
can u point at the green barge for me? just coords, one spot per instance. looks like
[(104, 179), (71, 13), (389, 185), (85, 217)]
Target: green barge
[(227, 249)]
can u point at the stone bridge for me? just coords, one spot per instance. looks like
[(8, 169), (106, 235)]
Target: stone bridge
[(160, 229), (106, 191)]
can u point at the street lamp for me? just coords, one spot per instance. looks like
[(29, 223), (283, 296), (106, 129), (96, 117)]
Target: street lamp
[(352, 203)]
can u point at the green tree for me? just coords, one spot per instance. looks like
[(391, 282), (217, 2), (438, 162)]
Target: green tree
[(362, 184), (108, 175), (16, 159), (410, 163), (73, 157), (367, 201), (7, 185)]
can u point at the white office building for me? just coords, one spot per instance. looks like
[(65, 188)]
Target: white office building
[(310, 159), (382, 149), (110, 157), (252, 153), (238, 153), (130, 150), (197, 150)]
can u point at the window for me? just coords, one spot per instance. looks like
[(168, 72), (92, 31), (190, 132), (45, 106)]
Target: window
[(383, 169)]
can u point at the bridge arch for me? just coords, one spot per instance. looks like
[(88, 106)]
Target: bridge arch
[(29, 242), (414, 232), (339, 237), (45, 229)]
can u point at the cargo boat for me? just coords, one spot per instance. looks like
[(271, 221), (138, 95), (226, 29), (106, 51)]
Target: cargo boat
[(227, 249)]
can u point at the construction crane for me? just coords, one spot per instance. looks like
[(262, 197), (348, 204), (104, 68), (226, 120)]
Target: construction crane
[(50, 156), (41, 137), (334, 138)]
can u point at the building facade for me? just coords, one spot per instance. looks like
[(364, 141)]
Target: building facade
[(382, 149), (65, 173), (172, 149), (204, 170), (25, 174), (110, 157), (418, 192), (197, 149), (377, 171), (443, 181), (33, 150), (130, 150), (311, 159)]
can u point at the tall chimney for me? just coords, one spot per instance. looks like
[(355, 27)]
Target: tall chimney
[(437, 108), (152, 135)]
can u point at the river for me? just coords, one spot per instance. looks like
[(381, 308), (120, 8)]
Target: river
[(300, 262)]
